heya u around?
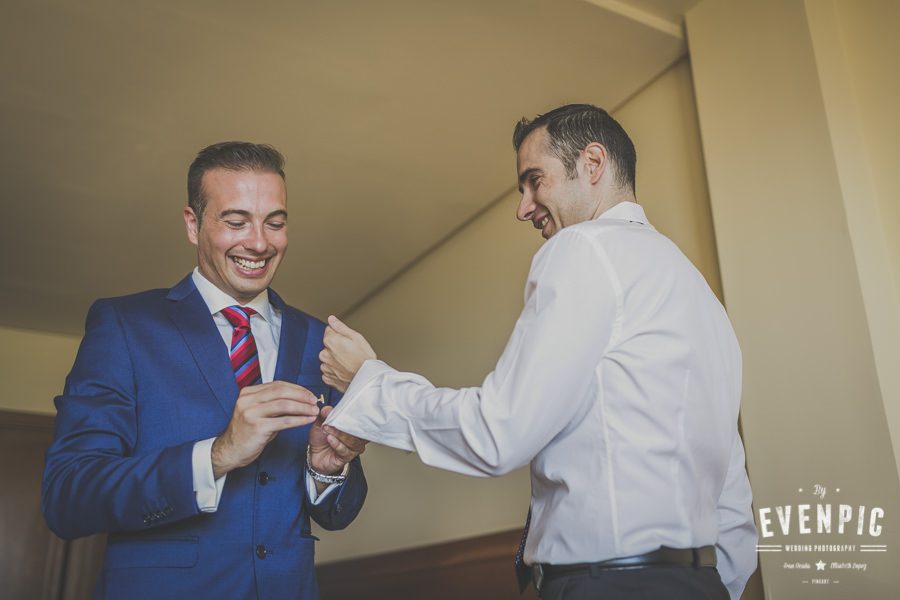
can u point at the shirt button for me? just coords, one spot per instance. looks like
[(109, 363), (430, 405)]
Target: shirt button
[(263, 478), (261, 551)]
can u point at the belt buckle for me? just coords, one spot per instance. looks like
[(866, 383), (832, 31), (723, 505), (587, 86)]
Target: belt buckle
[(537, 575)]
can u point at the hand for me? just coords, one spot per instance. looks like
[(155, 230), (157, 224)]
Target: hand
[(345, 352), (260, 413), (330, 449)]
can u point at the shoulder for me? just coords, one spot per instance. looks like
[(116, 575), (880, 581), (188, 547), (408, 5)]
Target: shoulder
[(619, 240), (574, 243), (131, 305), (111, 318), (154, 296)]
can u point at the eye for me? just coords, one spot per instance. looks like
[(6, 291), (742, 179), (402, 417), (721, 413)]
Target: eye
[(535, 182), (276, 225), (235, 224)]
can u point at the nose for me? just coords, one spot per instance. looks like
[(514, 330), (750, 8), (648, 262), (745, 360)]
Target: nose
[(256, 241), (526, 207)]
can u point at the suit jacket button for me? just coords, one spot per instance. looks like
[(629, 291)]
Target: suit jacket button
[(263, 478), (261, 551)]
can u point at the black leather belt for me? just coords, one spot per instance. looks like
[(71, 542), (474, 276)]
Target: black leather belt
[(664, 557)]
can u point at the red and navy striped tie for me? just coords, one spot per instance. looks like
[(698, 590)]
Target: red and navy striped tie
[(244, 357)]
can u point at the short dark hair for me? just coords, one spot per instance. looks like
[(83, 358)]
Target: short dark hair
[(233, 156), (572, 127)]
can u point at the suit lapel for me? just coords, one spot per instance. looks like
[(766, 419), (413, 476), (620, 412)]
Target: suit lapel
[(191, 316), (292, 342)]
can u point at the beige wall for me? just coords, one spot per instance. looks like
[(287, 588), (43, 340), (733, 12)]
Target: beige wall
[(450, 315), (871, 45), (33, 368), (671, 177), (856, 50), (804, 265)]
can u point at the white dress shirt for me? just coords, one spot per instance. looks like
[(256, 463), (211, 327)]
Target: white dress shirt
[(266, 328), (620, 385)]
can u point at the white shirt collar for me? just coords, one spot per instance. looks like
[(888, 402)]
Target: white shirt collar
[(216, 299), (628, 211)]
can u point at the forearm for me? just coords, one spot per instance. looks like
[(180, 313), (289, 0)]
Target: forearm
[(86, 492), (473, 431), (571, 302)]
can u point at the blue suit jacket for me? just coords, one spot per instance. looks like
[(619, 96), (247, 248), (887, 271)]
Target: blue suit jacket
[(152, 377)]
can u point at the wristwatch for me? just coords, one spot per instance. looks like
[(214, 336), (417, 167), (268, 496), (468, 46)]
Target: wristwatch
[(322, 477)]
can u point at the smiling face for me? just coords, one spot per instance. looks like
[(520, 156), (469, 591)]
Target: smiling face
[(243, 236), (551, 199)]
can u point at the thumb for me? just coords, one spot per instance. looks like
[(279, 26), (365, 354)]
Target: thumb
[(339, 326)]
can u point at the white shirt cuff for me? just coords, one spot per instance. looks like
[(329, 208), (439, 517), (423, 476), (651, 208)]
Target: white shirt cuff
[(207, 490), (314, 496), (365, 411)]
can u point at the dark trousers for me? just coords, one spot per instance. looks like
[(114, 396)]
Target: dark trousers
[(663, 583)]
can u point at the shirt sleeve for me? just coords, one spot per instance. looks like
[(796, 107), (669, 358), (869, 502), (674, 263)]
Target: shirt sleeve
[(545, 377), (207, 489), (314, 496), (736, 548)]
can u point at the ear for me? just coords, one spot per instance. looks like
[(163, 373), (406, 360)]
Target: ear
[(191, 224), (596, 160)]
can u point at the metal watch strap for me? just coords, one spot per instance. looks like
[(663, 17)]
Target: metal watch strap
[(322, 477)]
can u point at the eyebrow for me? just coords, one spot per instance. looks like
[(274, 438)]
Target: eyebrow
[(245, 213), (525, 175)]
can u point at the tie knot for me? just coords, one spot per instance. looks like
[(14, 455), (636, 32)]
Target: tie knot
[(238, 316)]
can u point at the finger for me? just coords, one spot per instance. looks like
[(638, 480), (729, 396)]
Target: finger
[(334, 381), (292, 391), (276, 390), (340, 327), (250, 394), (340, 449), (351, 441), (282, 423), (329, 370), (278, 408), (325, 356), (355, 445), (335, 342), (332, 336), (325, 411)]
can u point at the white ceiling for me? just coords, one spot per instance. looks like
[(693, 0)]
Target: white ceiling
[(395, 118)]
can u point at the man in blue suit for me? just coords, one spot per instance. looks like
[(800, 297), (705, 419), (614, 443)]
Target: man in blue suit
[(189, 428)]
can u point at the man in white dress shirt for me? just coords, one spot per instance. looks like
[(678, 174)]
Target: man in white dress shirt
[(620, 385)]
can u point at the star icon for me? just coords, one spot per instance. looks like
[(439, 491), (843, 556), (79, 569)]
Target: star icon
[(820, 566)]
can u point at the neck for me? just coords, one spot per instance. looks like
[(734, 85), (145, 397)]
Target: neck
[(611, 199)]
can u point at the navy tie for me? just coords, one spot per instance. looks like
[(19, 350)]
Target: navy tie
[(523, 571)]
